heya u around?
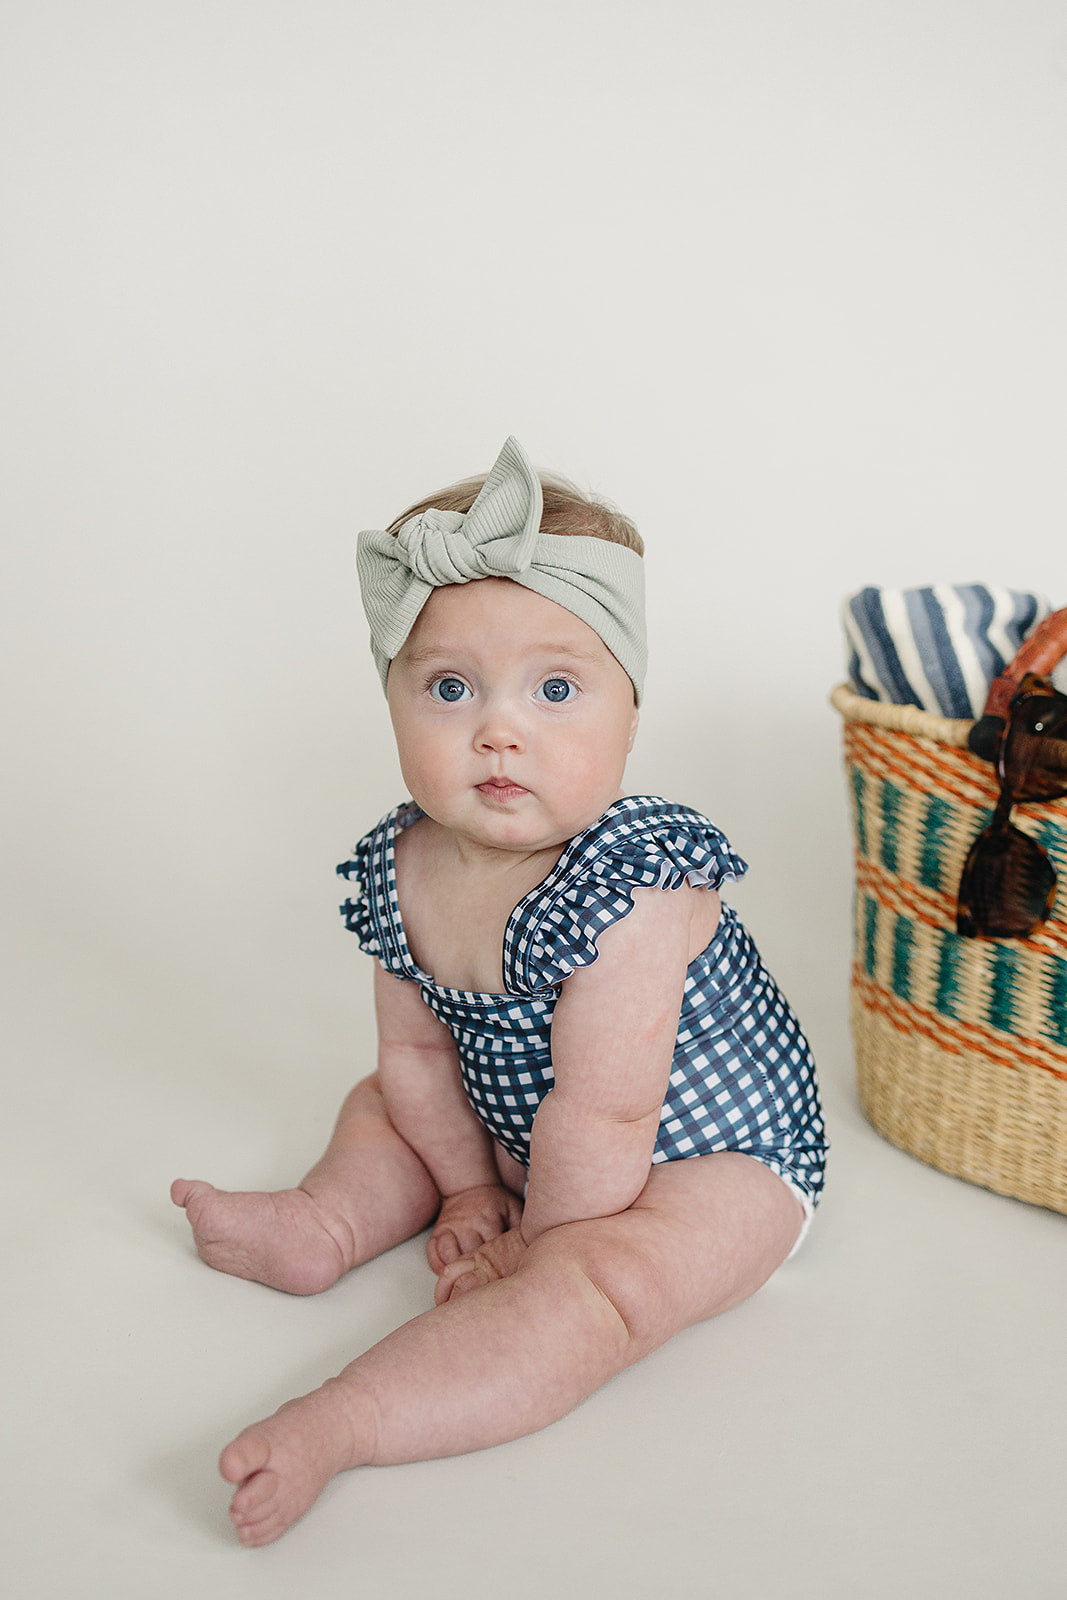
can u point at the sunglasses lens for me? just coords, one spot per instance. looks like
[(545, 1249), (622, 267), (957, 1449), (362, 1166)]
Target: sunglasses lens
[(1035, 751), (1007, 888)]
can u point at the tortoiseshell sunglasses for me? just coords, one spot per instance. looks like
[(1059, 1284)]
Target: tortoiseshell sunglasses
[(1008, 883)]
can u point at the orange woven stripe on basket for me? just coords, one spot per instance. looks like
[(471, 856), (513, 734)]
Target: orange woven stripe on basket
[(912, 763), (937, 910), (1008, 1050)]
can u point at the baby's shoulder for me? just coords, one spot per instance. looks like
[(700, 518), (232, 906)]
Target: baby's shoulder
[(371, 910), (642, 842), (661, 843)]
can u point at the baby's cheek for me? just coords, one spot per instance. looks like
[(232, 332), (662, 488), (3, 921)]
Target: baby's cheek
[(593, 771)]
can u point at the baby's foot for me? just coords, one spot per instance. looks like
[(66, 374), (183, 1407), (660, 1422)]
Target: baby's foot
[(284, 1240), (282, 1465)]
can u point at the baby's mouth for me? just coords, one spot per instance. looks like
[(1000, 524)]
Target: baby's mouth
[(501, 789)]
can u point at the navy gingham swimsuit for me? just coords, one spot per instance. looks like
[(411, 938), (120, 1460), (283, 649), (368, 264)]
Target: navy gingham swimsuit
[(742, 1077)]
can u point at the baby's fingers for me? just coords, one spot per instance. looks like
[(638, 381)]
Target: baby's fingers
[(442, 1249), (499, 1258), (452, 1244), (460, 1279)]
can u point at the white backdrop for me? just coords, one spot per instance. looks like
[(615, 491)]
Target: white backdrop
[(786, 282), (783, 281)]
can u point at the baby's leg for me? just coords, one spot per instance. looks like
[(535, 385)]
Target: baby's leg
[(369, 1191), (503, 1360)]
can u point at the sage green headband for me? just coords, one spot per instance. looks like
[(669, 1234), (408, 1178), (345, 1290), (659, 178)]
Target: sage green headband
[(499, 537)]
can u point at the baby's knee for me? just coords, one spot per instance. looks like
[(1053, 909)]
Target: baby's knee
[(629, 1284), (365, 1108), (367, 1095)]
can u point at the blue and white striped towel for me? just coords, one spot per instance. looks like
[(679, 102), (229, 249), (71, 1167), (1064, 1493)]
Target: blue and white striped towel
[(938, 647)]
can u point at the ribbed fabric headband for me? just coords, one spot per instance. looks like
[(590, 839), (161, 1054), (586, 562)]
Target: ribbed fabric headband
[(499, 537)]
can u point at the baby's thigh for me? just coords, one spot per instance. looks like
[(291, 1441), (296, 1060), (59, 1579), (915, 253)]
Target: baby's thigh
[(703, 1235), (732, 1221)]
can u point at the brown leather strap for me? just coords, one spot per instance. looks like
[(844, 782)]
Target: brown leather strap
[(1040, 652)]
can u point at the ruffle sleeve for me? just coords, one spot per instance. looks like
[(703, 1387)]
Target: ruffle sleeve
[(372, 911), (641, 842), (355, 911)]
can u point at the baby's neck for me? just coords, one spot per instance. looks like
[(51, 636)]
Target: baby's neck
[(491, 863), (456, 898)]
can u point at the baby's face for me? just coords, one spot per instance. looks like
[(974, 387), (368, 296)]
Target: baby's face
[(513, 719)]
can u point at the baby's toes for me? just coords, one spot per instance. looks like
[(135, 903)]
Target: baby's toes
[(185, 1191), (245, 1455), (256, 1510), (207, 1209), (254, 1534), (256, 1497)]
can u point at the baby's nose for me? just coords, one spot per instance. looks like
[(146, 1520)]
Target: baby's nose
[(500, 730)]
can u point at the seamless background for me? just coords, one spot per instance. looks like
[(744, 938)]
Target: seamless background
[(785, 283)]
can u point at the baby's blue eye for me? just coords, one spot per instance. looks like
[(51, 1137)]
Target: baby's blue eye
[(449, 690), (557, 691)]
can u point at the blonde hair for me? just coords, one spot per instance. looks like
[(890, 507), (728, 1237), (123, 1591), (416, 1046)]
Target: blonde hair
[(566, 511)]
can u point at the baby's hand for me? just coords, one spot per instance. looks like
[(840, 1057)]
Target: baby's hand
[(497, 1259), (470, 1219)]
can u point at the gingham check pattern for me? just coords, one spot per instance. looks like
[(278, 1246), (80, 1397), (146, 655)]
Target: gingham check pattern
[(742, 1076)]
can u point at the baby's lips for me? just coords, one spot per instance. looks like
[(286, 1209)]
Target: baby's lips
[(502, 785)]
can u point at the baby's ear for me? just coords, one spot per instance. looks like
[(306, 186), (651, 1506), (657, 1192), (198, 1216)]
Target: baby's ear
[(635, 718)]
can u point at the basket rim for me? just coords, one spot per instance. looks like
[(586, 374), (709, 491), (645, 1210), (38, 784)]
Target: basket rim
[(900, 719)]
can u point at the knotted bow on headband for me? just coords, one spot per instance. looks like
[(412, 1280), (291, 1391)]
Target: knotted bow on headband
[(499, 537)]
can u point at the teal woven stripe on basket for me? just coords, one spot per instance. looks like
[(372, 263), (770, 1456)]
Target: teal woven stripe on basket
[(859, 792), (951, 959), (870, 934), (903, 940), (892, 802), (1056, 1002), (1052, 836), (933, 841), (1000, 1005)]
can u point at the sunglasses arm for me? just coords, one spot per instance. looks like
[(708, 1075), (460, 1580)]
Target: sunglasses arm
[(1041, 651)]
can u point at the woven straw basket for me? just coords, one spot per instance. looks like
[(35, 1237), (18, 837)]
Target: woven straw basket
[(961, 1044)]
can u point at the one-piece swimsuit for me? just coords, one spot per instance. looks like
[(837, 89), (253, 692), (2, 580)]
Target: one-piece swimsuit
[(742, 1076)]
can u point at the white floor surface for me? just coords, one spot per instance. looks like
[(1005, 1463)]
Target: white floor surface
[(884, 1419)]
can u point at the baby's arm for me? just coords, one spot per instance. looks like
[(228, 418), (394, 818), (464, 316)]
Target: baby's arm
[(613, 1038), (418, 1070)]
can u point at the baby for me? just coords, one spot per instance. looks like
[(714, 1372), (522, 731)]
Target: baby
[(588, 1085)]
